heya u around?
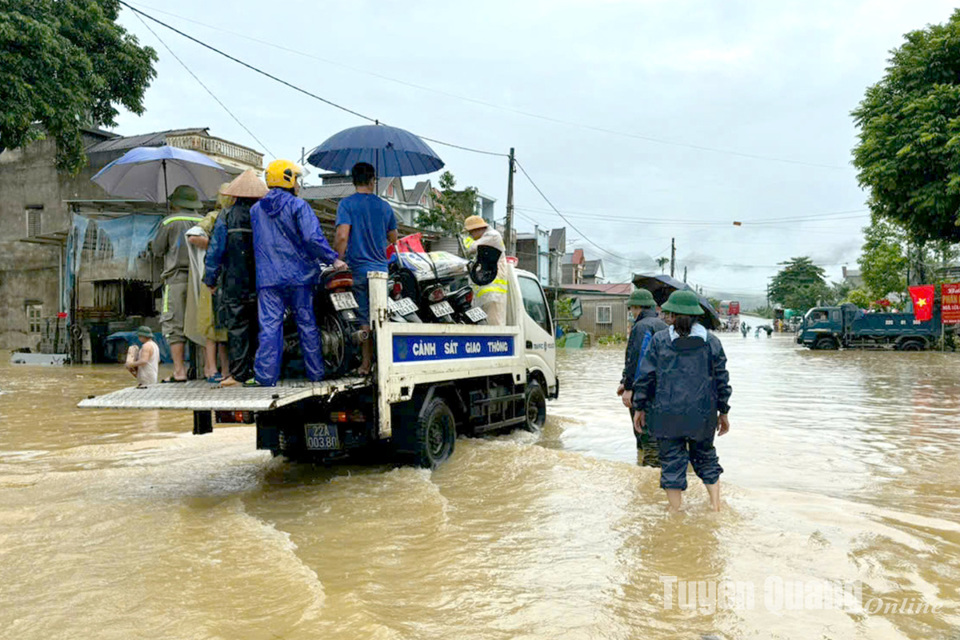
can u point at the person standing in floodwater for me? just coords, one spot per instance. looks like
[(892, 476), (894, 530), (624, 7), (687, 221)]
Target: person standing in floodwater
[(646, 323), (681, 396)]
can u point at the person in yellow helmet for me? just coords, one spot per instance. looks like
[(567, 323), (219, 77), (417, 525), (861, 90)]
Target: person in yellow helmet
[(492, 298), (288, 247)]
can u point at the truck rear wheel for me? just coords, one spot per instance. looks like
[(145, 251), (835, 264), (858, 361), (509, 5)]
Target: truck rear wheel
[(912, 345), (436, 434), (825, 344), (535, 404)]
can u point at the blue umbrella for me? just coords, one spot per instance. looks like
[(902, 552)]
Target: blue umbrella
[(152, 173), (392, 151)]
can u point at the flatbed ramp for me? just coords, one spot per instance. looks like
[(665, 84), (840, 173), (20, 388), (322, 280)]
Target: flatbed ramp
[(199, 395)]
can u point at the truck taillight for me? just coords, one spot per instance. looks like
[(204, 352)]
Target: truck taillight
[(347, 416), (235, 417)]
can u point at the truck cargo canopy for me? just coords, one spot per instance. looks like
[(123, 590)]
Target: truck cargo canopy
[(198, 395)]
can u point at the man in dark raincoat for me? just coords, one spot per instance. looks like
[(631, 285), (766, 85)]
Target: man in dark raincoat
[(289, 247), (231, 253), (646, 323), (681, 397)]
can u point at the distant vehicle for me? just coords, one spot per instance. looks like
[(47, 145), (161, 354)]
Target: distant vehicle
[(851, 328), (730, 315)]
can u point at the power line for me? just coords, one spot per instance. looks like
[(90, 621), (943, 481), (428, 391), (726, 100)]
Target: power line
[(813, 217), (290, 84), (528, 114), (573, 226), (205, 87)]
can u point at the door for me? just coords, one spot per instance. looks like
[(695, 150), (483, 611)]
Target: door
[(541, 351)]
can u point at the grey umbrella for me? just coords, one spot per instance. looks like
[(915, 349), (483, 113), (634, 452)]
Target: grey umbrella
[(661, 286)]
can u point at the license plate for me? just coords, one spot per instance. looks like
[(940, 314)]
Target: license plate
[(403, 306), (343, 301), (477, 314), (441, 309), (322, 437)]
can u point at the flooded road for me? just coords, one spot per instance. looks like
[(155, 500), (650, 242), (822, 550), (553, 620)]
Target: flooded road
[(839, 466)]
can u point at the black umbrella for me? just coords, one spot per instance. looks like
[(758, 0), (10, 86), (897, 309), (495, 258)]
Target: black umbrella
[(661, 286)]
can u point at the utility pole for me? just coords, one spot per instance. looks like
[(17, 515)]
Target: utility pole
[(684, 273), (511, 245), (673, 255)]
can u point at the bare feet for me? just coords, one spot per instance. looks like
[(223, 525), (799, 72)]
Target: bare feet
[(674, 496), (229, 382), (714, 491)]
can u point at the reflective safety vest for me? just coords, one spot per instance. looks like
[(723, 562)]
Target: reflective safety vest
[(497, 286), (468, 242)]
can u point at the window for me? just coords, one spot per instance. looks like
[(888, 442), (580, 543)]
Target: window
[(534, 303), (34, 226), (34, 316), (604, 314)]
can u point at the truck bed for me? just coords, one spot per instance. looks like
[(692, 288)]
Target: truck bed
[(198, 395)]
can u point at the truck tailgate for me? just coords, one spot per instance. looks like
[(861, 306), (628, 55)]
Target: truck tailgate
[(198, 395)]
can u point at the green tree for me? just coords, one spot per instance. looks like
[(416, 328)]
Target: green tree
[(859, 297), (450, 208), (882, 261), (799, 285), (65, 64), (908, 155)]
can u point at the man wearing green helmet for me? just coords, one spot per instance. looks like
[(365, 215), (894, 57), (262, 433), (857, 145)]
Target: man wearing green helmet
[(646, 323), (681, 397)]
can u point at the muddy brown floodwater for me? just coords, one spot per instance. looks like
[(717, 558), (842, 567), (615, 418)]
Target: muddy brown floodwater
[(840, 467)]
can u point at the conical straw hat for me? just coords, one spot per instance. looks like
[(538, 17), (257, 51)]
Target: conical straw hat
[(246, 185)]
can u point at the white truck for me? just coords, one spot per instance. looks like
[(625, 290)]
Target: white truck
[(430, 382)]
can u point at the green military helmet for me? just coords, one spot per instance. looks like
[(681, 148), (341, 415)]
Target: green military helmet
[(641, 298), (185, 197), (684, 303)]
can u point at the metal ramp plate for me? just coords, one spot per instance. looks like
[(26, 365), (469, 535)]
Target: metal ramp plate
[(198, 395)]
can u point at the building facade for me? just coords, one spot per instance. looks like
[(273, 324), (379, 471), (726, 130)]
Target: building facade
[(39, 210)]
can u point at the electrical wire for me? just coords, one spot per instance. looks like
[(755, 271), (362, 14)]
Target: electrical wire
[(205, 87), (528, 114), (291, 85)]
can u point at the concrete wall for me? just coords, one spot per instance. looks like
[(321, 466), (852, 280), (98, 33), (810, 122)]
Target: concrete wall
[(28, 177), (30, 272)]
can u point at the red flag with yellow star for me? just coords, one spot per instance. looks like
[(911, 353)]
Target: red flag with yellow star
[(922, 302)]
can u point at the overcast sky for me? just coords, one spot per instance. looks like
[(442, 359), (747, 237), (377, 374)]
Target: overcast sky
[(685, 115)]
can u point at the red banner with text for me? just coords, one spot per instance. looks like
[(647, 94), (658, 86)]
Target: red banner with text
[(950, 305)]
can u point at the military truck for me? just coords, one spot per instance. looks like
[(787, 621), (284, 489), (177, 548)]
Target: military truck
[(849, 327)]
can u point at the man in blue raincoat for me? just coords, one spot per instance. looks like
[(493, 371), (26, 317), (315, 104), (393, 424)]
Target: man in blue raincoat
[(288, 247), (646, 323)]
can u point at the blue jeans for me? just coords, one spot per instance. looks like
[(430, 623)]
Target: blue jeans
[(675, 453), (272, 302)]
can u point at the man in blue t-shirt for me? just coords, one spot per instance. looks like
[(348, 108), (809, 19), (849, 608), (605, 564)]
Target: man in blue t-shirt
[(366, 225)]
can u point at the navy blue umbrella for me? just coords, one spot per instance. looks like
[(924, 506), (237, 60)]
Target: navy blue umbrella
[(392, 151)]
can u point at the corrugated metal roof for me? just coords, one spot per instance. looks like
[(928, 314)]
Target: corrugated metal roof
[(154, 139), (619, 289), (328, 191)]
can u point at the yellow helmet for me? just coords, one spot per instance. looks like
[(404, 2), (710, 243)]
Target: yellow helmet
[(283, 174)]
